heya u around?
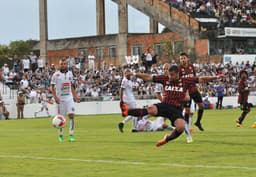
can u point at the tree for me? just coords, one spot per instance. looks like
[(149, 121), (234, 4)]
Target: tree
[(19, 48)]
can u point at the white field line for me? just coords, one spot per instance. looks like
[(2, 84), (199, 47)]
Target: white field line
[(127, 162)]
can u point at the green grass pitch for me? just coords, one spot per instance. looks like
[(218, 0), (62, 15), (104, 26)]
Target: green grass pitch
[(30, 148)]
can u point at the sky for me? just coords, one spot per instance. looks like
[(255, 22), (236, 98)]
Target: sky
[(19, 19)]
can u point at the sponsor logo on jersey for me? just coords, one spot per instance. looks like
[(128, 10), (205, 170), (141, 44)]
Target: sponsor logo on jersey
[(173, 88)]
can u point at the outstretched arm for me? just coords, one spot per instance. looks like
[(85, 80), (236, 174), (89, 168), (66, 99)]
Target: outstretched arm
[(209, 78), (143, 76)]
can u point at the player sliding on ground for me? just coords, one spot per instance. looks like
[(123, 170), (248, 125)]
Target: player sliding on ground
[(173, 97)]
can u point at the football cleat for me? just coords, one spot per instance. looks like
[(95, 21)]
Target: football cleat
[(253, 126), (61, 138), (124, 109), (189, 139), (199, 126), (134, 131), (71, 138), (192, 131), (121, 127), (237, 121), (163, 141), (239, 125)]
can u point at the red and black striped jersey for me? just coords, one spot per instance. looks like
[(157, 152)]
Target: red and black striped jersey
[(243, 92), (174, 91), (188, 71)]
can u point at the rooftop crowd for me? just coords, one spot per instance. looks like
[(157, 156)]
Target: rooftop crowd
[(30, 74), (229, 12)]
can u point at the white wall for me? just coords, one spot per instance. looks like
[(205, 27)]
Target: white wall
[(106, 107)]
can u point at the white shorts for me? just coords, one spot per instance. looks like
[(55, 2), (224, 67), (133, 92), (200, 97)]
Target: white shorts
[(157, 124), (44, 105), (91, 64), (66, 107), (130, 104)]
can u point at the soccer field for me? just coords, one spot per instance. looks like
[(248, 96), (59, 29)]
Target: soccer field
[(30, 148)]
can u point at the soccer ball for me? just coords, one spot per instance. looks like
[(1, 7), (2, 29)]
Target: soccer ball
[(58, 121)]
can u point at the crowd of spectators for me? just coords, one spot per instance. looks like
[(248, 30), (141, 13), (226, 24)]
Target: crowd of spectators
[(229, 12), (230, 82), (104, 83)]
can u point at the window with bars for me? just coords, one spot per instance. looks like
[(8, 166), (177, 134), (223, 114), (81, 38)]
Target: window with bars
[(100, 53), (112, 52), (179, 47), (158, 49), (137, 50)]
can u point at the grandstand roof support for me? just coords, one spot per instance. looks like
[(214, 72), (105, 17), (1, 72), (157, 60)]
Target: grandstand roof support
[(123, 30), (153, 26), (43, 28), (100, 13)]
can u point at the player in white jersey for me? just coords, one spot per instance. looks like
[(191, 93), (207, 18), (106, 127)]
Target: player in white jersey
[(156, 125), (127, 97), (63, 93), (43, 99)]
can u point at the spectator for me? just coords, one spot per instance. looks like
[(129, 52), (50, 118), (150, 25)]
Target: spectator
[(33, 96), (220, 95), (24, 83), (40, 63), (3, 111), (16, 63), (91, 59), (206, 103), (25, 64), (5, 69), (33, 61), (82, 60), (20, 104)]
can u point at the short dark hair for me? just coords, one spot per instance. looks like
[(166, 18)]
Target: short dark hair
[(184, 54), (243, 71), (174, 68)]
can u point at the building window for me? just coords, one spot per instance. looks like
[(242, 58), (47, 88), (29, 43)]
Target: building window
[(158, 49), (137, 50), (100, 53), (112, 52), (179, 47)]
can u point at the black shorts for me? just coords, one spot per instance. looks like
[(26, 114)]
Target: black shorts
[(245, 107), (196, 97), (169, 111), (187, 104)]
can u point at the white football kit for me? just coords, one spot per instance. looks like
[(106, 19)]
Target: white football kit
[(63, 84), (128, 96), (43, 98), (147, 125)]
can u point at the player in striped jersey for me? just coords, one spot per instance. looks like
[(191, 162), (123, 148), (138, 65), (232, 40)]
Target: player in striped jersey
[(243, 91), (173, 97), (187, 70)]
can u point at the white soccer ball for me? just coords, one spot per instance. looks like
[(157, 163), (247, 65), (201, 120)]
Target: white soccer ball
[(58, 121)]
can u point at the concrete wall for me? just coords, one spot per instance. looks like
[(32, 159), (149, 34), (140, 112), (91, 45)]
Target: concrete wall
[(106, 107)]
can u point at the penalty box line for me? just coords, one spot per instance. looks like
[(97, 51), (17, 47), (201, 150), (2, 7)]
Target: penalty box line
[(127, 162)]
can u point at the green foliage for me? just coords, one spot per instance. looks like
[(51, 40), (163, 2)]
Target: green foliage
[(31, 148), (19, 48)]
